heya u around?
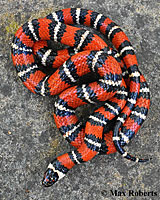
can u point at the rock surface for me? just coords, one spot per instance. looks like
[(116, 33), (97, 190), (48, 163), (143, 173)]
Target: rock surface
[(29, 138)]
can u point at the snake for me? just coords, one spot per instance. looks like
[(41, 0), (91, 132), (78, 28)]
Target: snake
[(85, 71)]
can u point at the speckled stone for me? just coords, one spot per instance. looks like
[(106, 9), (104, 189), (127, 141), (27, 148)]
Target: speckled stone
[(29, 138)]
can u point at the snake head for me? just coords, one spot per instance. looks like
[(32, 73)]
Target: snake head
[(50, 177)]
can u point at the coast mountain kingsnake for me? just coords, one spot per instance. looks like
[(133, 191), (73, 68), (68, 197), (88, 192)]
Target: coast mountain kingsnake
[(119, 85)]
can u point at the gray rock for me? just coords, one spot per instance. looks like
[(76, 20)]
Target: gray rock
[(29, 138)]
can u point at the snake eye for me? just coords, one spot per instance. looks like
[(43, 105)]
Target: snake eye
[(50, 177)]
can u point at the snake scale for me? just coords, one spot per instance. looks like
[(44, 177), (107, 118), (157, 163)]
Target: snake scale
[(120, 90)]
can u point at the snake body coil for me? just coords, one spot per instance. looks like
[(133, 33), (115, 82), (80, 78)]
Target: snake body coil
[(120, 85)]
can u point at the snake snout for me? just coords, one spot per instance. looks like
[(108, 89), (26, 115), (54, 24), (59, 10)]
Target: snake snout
[(50, 177)]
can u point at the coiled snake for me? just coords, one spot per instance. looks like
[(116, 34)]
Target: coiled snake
[(119, 85)]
